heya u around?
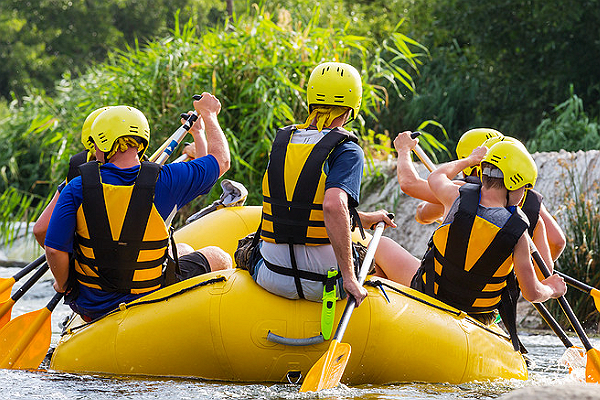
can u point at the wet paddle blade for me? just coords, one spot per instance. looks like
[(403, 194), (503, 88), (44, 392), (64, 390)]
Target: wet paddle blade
[(328, 370), (25, 340), (592, 367), (6, 285)]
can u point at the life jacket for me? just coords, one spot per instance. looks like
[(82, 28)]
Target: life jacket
[(294, 188), (293, 192), (469, 264), (121, 239), (74, 162), (531, 207)]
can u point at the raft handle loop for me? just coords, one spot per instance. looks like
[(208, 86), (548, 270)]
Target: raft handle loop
[(379, 285), (294, 377), (271, 337)]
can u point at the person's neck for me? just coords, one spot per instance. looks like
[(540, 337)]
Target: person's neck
[(493, 197), (126, 159)]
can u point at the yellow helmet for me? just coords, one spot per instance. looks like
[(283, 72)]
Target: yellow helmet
[(495, 139), (470, 140), (119, 121), (515, 162), (87, 126), (335, 84)]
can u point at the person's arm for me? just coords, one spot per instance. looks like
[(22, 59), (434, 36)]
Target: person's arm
[(554, 233), (534, 290), (208, 107), (440, 180), (337, 224), (408, 178), (58, 261), (41, 225), (369, 219), (541, 244), (199, 147), (428, 213)]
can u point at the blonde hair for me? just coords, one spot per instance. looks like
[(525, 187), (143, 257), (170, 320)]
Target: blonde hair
[(123, 143), (323, 115)]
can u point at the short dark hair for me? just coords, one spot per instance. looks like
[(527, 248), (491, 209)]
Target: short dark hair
[(488, 181)]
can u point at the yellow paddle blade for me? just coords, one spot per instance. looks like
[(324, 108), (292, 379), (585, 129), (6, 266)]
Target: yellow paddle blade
[(6, 285), (25, 340), (5, 310), (328, 370), (592, 367), (595, 293)]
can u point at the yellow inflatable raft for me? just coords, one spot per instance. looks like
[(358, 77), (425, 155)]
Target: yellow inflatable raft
[(222, 326)]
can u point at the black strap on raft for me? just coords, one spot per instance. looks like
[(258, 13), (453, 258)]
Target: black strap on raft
[(74, 163), (531, 207), (171, 269), (117, 260)]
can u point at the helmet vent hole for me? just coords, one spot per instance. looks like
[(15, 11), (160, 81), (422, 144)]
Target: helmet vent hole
[(495, 159), (320, 97), (339, 98), (102, 137), (133, 129), (516, 178)]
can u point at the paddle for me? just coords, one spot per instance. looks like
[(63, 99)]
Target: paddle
[(6, 306), (234, 195), (592, 291), (164, 151), (24, 341), (327, 372), (592, 368), (6, 284)]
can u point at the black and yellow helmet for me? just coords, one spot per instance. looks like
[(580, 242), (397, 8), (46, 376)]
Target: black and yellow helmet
[(517, 166), (86, 129), (120, 121), (472, 139), (335, 84)]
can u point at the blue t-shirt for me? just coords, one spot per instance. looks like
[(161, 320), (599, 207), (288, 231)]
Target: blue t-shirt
[(344, 170), (177, 185)]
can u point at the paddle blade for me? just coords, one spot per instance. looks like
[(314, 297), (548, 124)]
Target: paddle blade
[(595, 293), (25, 340), (592, 367), (328, 370), (5, 311), (6, 285)]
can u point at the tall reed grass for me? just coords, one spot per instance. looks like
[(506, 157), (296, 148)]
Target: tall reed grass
[(257, 65)]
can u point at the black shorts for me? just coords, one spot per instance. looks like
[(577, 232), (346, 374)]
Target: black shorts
[(192, 264)]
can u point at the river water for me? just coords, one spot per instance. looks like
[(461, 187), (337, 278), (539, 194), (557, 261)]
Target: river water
[(545, 350)]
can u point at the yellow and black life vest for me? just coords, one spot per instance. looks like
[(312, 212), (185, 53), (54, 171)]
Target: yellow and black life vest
[(531, 207), (294, 187), (469, 260), (121, 239)]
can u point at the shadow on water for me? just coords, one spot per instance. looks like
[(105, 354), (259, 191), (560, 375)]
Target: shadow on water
[(544, 351)]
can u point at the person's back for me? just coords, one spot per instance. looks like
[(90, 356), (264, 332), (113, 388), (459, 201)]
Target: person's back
[(119, 211)]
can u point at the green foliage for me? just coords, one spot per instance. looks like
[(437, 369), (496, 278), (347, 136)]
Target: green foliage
[(513, 58), (581, 256), (257, 65), (568, 127)]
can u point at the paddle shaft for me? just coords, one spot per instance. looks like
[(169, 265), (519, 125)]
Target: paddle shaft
[(30, 282), (561, 300), (556, 328), (7, 283), (362, 275), (163, 153), (575, 283)]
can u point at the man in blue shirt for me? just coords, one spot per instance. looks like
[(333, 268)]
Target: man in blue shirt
[(114, 218)]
